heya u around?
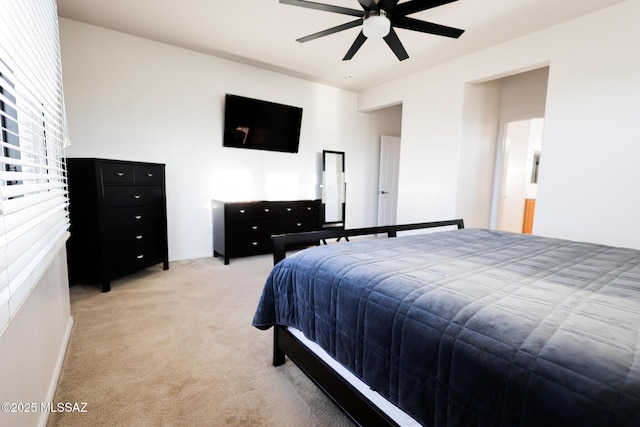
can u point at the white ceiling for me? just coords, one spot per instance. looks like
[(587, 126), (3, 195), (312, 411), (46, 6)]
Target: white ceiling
[(263, 32)]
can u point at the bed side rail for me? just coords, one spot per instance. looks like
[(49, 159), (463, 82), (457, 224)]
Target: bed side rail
[(282, 241)]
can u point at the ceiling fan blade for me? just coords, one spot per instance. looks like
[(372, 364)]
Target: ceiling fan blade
[(396, 45), (368, 4), (426, 27), (419, 5), (357, 44), (329, 31), (325, 7), (386, 5)]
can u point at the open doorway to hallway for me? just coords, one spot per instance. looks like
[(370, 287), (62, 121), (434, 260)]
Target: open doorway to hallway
[(521, 150), (489, 105)]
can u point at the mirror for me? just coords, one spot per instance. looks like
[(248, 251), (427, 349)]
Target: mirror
[(535, 167), (333, 188)]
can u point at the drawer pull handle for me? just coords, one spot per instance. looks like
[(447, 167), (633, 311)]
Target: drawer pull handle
[(299, 224), (254, 227), (242, 211), (138, 216), (140, 256), (150, 174), (308, 208), (266, 209), (137, 196), (288, 209), (120, 173), (139, 237), (254, 243)]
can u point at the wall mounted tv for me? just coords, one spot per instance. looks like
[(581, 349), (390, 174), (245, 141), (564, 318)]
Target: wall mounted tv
[(261, 125)]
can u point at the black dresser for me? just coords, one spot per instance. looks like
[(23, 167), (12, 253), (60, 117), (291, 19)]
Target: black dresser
[(245, 228), (118, 219)]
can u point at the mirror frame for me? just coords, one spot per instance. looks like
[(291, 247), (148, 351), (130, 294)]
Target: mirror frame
[(334, 188)]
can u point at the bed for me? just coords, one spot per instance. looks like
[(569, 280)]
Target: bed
[(464, 327)]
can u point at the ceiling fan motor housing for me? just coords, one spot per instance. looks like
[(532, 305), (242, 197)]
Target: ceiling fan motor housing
[(376, 24)]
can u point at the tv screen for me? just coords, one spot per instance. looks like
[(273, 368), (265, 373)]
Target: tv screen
[(261, 125)]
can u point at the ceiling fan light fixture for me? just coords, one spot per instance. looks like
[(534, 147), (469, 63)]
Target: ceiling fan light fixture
[(376, 24)]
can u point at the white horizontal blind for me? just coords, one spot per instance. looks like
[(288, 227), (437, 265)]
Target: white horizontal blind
[(33, 199)]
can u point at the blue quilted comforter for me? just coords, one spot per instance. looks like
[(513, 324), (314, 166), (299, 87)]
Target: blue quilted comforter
[(474, 327)]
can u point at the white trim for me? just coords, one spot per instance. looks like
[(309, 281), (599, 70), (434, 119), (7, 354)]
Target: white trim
[(396, 414), (55, 376)]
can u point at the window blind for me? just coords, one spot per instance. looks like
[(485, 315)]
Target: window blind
[(33, 197)]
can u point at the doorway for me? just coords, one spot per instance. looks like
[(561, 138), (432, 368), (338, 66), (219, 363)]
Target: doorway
[(518, 170), (388, 180)]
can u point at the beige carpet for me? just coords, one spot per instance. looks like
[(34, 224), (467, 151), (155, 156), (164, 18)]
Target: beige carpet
[(176, 347)]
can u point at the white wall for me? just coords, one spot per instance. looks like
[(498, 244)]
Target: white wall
[(129, 98), (34, 343), (478, 143), (591, 138)]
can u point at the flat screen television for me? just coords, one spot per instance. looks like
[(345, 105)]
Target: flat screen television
[(261, 125)]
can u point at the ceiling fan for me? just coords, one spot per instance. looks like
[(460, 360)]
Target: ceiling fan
[(378, 18)]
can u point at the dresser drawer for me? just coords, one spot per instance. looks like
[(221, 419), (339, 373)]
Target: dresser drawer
[(298, 207), (114, 173), (147, 216), (251, 227), (308, 207), (288, 208), (245, 245), (123, 196), (297, 224), (133, 240), (126, 262), (147, 174), (252, 209), (133, 248), (241, 210)]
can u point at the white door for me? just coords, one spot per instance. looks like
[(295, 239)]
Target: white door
[(388, 179)]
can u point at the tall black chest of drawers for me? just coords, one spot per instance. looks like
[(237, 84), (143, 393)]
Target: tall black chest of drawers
[(118, 219), (245, 228)]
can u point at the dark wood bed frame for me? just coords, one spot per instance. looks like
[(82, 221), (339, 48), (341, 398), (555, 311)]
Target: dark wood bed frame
[(354, 404)]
